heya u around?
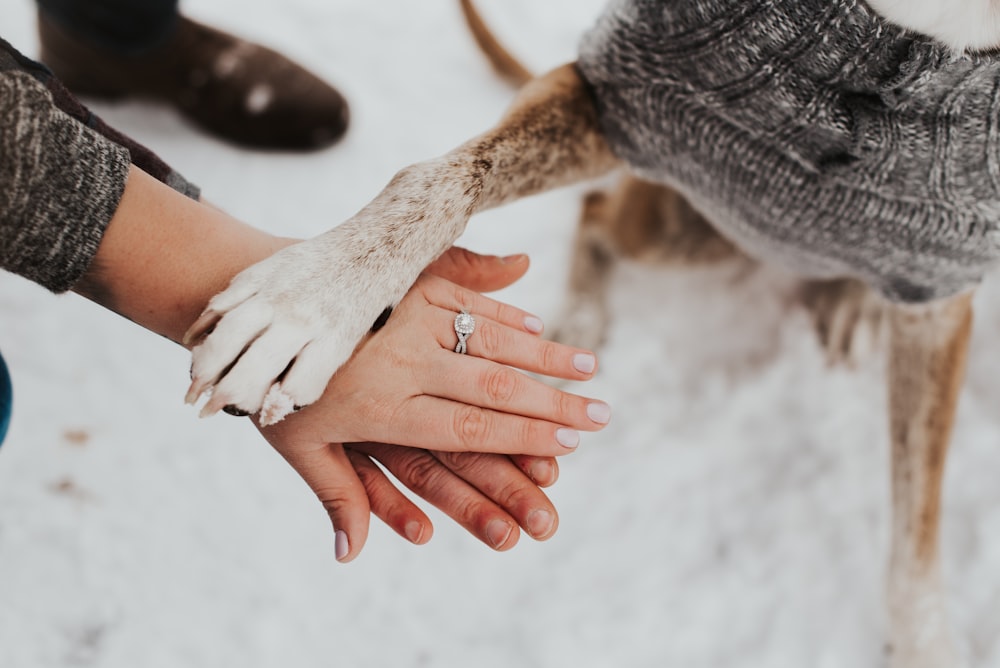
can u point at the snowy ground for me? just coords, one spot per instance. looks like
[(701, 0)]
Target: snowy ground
[(734, 514)]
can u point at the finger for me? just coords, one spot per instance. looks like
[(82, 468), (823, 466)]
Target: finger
[(246, 383), (482, 273), (231, 336), (388, 503), (427, 477), (543, 471), (503, 483), (507, 345), (480, 382), (330, 475), (441, 424), (454, 298)]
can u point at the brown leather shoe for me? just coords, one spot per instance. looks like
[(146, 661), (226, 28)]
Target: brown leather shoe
[(237, 90)]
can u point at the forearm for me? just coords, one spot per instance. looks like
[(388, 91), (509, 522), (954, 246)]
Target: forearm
[(165, 255)]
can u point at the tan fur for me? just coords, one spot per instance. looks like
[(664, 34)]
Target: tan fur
[(927, 349), (322, 296), (927, 359)]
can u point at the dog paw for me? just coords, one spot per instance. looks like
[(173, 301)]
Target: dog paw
[(270, 342)]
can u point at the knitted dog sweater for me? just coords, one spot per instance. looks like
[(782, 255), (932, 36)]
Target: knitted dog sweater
[(813, 133)]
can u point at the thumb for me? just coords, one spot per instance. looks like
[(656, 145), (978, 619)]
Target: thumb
[(482, 273), (329, 474)]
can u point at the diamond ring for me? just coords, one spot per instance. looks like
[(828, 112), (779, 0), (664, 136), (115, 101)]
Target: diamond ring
[(465, 325)]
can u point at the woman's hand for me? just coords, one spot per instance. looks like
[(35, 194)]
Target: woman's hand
[(405, 385)]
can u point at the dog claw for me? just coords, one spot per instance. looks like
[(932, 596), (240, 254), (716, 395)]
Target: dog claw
[(205, 322)]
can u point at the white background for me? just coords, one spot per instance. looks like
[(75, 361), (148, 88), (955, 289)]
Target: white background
[(734, 513)]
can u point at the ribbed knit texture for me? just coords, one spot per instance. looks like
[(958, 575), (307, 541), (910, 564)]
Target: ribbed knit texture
[(62, 175), (811, 132)]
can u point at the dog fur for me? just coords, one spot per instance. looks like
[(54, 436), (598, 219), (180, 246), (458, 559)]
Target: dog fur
[(284, 326)]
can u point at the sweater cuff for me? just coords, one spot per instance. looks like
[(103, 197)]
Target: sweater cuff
[(62, 183)]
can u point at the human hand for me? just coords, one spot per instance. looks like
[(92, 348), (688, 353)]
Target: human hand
[(491, 496), (310, 442)]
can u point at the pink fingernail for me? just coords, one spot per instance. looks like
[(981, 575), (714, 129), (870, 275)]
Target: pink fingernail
[(539, 523), (584, 362), (533, 324), (541, 471), (341, 544), (568, 438), (497, 532), (511, 259), (599, 412), (413, 532)]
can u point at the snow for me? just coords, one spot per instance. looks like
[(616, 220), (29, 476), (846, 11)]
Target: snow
[(733, 514)]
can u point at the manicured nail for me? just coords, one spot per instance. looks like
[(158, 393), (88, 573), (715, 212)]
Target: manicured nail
[(511, 259), (533, 324), (413, 532), (568, 438), (342, 545), (599, 412), (498, 532), (584, 362), (539, 523)]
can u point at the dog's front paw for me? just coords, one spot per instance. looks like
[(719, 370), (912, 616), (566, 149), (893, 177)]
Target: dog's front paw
[(271, 341)]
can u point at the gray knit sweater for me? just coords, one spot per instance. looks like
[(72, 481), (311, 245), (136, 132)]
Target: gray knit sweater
[(811, 132), (62, 174)]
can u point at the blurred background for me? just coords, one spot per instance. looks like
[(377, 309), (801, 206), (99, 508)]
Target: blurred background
[(733, 514)]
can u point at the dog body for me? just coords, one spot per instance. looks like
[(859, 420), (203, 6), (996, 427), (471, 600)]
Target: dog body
[(811, 132)]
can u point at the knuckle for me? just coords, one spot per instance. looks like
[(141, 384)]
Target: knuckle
[(419, 473), (335, 503), (547, 355), (491, 340), (563, 406), (472, 426), (462, 463), (513, 494), (501, 385)]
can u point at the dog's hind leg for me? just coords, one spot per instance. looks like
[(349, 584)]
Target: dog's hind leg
[(927, 354), (635, 220)]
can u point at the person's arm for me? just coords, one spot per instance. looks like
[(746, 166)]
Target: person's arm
[(164, 255)]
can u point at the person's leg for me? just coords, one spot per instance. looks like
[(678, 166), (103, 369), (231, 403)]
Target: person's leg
[(237, 90), (124, 26)]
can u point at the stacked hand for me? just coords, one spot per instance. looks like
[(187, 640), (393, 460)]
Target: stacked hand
[(480, 437)]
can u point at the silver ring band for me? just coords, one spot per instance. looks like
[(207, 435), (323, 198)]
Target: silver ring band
[(465, 325)]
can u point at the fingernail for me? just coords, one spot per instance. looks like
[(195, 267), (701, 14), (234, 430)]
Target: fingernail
[(511, 259), (497, 532), (599, 412), (342, 545), (533, 324), (539, 523), (541, 472), (568, 438), (413, 531), (584, 362)]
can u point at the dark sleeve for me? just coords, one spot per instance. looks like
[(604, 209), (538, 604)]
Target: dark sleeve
[(60, 184), (62, 175)]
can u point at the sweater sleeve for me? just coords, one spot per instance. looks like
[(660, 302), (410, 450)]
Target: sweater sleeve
[(60, 184)]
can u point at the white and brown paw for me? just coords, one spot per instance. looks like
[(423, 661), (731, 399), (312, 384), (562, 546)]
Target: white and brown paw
[(272, 340)]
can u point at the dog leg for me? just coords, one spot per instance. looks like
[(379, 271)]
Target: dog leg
[(284, 326), (636, 220), (842, 310), (927, 354)]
